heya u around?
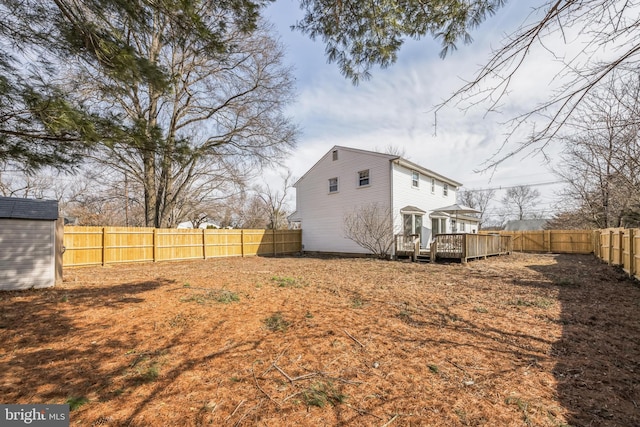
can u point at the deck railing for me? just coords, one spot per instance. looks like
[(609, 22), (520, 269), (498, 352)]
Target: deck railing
[(469, 246), (407, 245)]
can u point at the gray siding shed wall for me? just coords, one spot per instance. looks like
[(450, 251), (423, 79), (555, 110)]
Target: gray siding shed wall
[(27, 245)]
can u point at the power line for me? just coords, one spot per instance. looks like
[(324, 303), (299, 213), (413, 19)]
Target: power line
[(506, 187)]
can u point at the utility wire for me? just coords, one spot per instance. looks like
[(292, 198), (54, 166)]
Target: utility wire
[(506, 187)]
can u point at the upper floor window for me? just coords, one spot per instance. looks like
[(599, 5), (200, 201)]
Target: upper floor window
[(333, 185), (433, 185), (363, 178), (335, 154), (445, 190), (415, 179)]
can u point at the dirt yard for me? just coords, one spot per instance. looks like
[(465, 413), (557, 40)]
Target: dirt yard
[(519, 340)]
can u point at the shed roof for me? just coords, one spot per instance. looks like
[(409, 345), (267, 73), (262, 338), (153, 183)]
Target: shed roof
[(16, 208)]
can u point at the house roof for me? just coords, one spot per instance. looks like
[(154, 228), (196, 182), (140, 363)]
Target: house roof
[(412, 209), (424, 171), (392, 157), (339, 147), (16, 208), (457, 209), (293, 216)]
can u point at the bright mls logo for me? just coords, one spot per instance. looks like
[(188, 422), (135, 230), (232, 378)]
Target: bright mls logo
[(34, 415)]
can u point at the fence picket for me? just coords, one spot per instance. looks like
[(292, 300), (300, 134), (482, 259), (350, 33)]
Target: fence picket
[(109, 245), (615, 246)]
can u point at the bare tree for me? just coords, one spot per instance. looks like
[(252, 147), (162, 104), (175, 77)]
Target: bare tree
[(19, 184), (101, 197), (569, 220), (477, 199), (275, 201), (394, 150), (523, 198), (218, 118), (600, 159), (371, 227), (609, 38)]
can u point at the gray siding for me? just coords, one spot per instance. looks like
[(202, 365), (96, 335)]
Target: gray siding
[(26, 254)]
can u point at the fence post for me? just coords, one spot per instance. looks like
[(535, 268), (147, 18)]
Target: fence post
[(548, 233), (204, 245), (155, 244), (631, 253), (59, 248), (465, 250), (275, 245), (104, 246), (242, 242), (610, 260)]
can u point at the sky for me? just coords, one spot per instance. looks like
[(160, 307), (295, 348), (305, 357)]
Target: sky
[(396, 106)]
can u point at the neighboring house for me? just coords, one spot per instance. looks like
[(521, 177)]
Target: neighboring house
[(347, 178), (204, 225), (526, 225)]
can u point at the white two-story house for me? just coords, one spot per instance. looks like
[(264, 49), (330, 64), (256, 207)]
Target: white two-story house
[(346, 178)]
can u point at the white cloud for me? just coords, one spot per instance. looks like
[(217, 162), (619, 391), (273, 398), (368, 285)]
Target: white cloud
[(396, 106)]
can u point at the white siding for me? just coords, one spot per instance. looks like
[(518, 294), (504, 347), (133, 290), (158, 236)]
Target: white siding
[(322, 214), (27, 256), (405, 194)]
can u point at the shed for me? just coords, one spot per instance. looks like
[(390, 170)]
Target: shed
[(28, 242)]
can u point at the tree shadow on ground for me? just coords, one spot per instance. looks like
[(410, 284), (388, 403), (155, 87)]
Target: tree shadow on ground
[(598, 356), (44, 351)]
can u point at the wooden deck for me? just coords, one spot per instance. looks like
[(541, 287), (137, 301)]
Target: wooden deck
[(460, 246)]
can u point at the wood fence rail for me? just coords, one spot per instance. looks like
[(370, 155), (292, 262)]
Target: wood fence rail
[(619, 246), (109, 245), (554, 241), (616, 246)]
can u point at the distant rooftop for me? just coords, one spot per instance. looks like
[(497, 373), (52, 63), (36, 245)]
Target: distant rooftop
[(526, 225)]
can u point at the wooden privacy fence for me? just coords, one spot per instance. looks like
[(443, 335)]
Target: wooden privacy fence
[(554, 241), (619, 246), (110, 245), (616, 246)]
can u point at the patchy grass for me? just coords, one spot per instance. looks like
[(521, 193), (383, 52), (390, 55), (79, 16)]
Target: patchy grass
[(322, 393), (76, 402), (288, 282), (276, 323), (221, 296)]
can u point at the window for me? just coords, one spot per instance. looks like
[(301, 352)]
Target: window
[(433, 185), (333, 185), (363, 178), (335, 155), (412, 224), (454, 228), (415, 179), (445, 190), (438, 226)]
